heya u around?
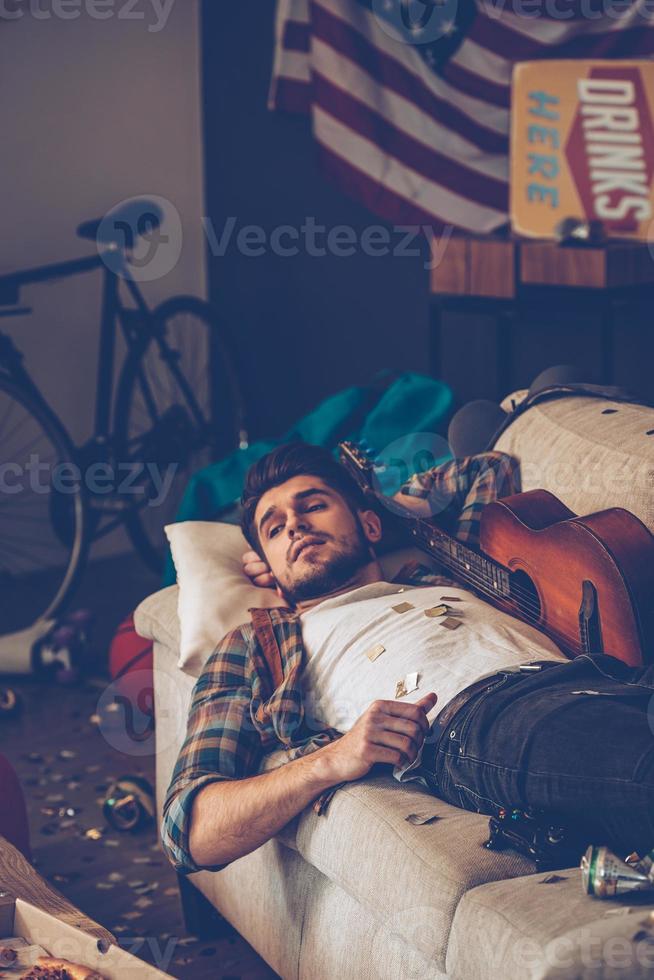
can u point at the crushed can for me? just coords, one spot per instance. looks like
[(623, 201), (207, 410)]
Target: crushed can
[(604, 875), (129, 803)]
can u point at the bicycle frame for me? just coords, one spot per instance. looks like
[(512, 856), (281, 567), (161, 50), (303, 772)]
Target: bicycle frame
[(156, 351), (112, 310)]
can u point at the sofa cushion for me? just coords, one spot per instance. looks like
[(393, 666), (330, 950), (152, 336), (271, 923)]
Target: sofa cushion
[(264, 895), (360, 947), (592, 453), (156, 618), (410, 876), (527, 929)]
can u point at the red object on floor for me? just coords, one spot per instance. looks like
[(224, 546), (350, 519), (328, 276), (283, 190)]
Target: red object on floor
[(130, 664), (13, 815)]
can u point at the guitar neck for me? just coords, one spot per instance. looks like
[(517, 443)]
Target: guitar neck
[(466, 564)]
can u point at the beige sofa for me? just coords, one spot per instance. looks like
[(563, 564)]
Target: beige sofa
[(363, 893)]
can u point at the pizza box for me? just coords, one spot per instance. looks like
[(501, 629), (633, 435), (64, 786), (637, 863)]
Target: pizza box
[(582, 146), (33, 932)]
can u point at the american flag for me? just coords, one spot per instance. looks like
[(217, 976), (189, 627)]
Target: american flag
[(410, 100)]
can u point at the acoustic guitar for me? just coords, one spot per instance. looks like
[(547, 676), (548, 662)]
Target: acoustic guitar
[(586, 582)]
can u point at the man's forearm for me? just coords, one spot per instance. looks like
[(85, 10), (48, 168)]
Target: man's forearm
[(232, 818)]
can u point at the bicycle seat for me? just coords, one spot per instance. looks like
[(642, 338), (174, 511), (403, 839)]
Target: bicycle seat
[(122, 225)]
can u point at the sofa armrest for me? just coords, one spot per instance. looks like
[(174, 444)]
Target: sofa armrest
[(156, 618)]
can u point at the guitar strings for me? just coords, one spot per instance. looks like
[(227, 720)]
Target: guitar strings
[(469, 572), (518, 594), (523, 598), (568, 639)]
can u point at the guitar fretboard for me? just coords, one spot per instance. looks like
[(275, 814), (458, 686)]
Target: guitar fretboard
[(477, 570), (464, 562)]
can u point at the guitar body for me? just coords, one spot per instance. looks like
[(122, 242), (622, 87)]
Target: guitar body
[(587, 582)]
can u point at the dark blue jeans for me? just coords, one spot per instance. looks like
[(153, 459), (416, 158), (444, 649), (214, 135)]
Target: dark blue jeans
[(586, 759)]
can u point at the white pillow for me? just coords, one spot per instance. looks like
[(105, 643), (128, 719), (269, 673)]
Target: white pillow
[(214, 593)]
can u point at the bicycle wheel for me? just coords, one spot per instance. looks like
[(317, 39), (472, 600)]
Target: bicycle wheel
[(179, 406), (42, 512)]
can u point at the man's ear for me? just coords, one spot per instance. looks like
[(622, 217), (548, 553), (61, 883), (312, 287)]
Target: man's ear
[(371, 524)]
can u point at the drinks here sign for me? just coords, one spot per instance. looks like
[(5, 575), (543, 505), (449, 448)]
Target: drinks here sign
[(582, 146)]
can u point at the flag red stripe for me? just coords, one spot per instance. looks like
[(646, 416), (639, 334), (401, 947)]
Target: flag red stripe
[(477, 86), (377, 198), (499, 38), (576, 11), (392, 74), (296, 36), (418, 156), (290, 95)]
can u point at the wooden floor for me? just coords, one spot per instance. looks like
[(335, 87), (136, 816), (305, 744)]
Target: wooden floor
[(66, 764)]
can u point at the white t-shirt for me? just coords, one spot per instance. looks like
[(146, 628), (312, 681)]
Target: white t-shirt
[(343, 636)]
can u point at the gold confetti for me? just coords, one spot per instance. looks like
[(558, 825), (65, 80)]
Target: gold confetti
[(436, 611), (451, 598), (402, 607), (375, 652), (400, 689), (94, 833), (451, 623)]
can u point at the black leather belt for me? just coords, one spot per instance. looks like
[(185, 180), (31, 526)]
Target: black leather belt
[(444, 718)]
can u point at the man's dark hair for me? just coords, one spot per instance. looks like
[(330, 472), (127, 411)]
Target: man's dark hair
[(282, 464)]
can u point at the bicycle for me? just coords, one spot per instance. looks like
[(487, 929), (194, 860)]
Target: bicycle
[(56, 498)]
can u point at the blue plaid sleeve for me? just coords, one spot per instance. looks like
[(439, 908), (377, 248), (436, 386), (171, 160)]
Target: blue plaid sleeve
[(487, 477), (465, 486), (221, 740)]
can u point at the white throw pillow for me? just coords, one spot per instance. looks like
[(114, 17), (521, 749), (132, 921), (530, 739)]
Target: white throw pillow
[(214, 593)]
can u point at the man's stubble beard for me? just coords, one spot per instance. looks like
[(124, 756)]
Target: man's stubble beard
[(325, 577)]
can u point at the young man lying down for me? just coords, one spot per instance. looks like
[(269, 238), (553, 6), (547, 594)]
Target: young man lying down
[(354, 672)]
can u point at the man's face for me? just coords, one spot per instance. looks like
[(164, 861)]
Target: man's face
[(310, 538)]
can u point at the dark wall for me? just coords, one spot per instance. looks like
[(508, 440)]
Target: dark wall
[(305, 326)]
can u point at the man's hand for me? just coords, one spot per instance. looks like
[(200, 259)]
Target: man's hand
[(233, 817), (387, 731), (257, 570)]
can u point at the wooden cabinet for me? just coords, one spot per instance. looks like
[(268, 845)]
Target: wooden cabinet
[(505, 309)]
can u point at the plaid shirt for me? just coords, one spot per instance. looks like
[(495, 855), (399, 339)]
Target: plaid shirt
[(239, 711)]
